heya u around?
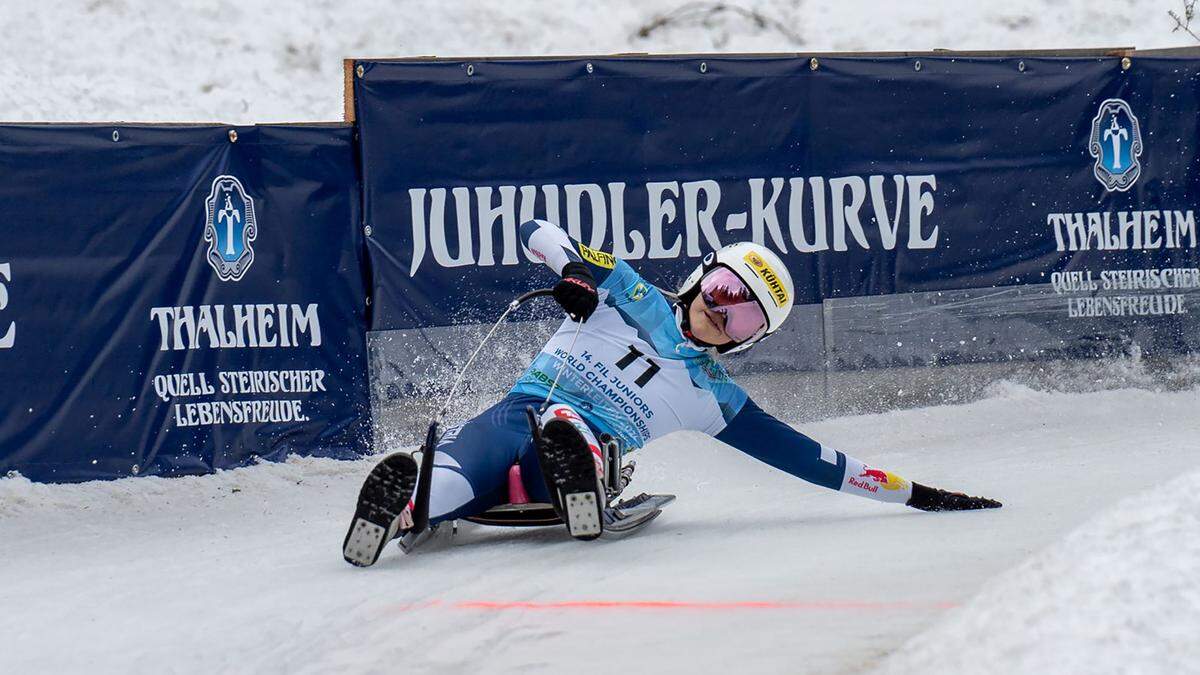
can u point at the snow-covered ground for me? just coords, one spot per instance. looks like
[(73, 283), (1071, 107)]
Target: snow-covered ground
[(245, 61), (1090, 566), (1117, 595), (751, 570)]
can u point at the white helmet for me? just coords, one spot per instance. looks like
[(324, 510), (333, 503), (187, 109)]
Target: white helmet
[(763, 273)]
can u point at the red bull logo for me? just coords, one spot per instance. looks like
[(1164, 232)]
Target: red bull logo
[(877, 478)]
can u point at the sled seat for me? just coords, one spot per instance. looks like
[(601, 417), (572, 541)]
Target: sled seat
[(521, 512), (518, 515)]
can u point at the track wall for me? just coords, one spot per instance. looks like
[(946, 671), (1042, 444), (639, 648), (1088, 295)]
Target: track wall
[(178, 299), (932, 209)]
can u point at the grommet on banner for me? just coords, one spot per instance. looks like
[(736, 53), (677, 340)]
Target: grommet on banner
[(1126, 62), (470, 69), (233, 135), (917, 66), (359, 70), (589, 68), (1021, 66), (703, 67), (813, 63), (116, 136), (368, 301), (367, 230)]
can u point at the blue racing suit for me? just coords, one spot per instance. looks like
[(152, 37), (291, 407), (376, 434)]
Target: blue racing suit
[(632, 374)]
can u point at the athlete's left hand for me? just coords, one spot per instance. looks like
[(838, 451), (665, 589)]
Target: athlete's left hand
[(576, 292), (936, 499)]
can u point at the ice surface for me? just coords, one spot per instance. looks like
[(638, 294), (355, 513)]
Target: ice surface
[(242, 571)]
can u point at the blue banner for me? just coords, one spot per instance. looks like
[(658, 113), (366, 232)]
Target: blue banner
[(180, 299), (870, 175)]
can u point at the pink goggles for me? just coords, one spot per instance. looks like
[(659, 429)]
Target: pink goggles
[(726, 294)]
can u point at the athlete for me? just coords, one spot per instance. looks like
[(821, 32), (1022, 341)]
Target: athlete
[(639, 367)]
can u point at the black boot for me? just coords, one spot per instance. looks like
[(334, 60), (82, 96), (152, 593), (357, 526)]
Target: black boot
[(575, 488), (381, 513)]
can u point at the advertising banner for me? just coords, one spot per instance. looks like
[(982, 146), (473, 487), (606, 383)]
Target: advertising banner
[(178, 299), (873, 176)]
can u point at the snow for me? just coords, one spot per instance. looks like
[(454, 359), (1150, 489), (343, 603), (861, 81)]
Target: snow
[(248, 61), (1090, 566), (1118, 594), (241, 571)]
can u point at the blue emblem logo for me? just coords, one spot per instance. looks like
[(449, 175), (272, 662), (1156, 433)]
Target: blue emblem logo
[(229, 228), (1116, 143)]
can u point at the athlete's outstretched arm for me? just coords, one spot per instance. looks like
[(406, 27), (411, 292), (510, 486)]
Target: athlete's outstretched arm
[(765, 438)]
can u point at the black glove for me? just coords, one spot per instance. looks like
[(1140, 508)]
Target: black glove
[(936, 499), (576, 292)]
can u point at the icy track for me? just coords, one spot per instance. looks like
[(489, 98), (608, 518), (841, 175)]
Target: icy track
[(750, 571)]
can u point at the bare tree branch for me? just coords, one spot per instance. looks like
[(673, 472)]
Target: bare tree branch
[(1184, 24), (704, 12)]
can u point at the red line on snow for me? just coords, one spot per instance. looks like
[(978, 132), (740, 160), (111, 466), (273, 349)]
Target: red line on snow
[(836, 605)]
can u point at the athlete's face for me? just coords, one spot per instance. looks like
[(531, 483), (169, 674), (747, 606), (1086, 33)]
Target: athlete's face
[(708, 326)]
